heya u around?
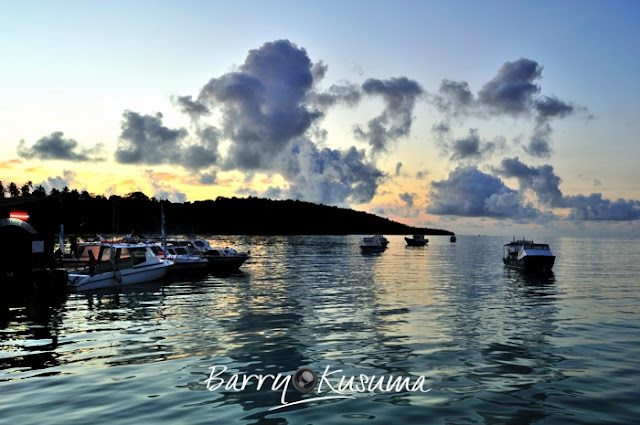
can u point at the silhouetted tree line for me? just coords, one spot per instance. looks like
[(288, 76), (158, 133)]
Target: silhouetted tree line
[(84, 213)]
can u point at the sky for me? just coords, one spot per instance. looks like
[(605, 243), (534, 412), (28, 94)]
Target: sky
[(493, 117)]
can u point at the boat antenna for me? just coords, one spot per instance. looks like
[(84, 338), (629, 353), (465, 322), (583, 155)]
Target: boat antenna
[(164, 234)]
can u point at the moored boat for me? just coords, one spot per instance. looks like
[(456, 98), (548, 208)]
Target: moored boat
[(116, 265), (78, 258), (452, 238), (383, 241), (183, 257), (417, 240), (219, 259), (372, 244), (527, 255)]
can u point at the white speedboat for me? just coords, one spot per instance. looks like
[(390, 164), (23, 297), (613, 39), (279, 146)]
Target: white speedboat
[(417, 240), (183, 257), (118, 264), (372, 244), (220, 259), (527, 255), (384, 241)]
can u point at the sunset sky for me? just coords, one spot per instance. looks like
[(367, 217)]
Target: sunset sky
[(487, 117)]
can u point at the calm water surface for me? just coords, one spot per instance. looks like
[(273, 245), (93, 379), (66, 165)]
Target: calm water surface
[(495, 346)]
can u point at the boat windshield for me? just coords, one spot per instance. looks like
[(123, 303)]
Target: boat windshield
[(539, 246)]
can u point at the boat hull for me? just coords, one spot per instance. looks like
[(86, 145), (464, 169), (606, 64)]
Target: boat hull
[(219, 263), (379, 248), (188, 266), (414, 242), (531, 262), (117, 278)]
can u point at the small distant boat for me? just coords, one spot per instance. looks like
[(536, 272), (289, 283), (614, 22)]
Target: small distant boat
[(452, 238), (417, 240), (527, 255), (384, 241), (117, 265), (372, 244)]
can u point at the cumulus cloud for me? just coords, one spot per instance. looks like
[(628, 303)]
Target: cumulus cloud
[(59, 182), (208, 178), (541, 180), (595, 207), (539, 144), (472, 148), (163, 190), (55, 146), (348, 94), (399, 96), (408, 198), (262, 103), (512, 90), (191, 107), (454, 98), (145, 140), (329, 176), (468, 192)]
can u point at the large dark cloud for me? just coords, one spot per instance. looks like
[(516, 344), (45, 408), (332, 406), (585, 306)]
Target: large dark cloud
[(399, 96), (262, 103), (55, 146), (145, 140), (468, 192)]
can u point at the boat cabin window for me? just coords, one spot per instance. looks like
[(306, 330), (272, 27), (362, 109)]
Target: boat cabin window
[(199, 244), (105, 255), (138, 255), (148, 255), (124, 254), (83, 251)]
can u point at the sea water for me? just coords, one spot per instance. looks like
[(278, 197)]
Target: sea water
[(490, 345)]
